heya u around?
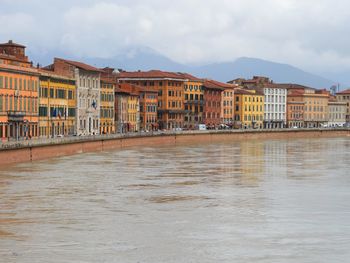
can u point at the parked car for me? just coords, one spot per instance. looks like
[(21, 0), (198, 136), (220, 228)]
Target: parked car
[(202, 127), (223, 127)]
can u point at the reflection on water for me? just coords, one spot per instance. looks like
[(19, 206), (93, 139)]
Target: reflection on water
[(253, 201)]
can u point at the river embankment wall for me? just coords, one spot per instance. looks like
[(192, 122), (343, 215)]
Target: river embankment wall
[(35, 150)]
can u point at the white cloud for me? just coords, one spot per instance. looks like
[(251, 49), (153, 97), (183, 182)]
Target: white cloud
[(311, 34)]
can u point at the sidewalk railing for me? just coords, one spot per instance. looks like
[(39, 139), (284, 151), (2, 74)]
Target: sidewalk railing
[(23, 142)]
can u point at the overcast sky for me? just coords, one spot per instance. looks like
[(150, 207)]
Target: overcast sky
[(311, 34)]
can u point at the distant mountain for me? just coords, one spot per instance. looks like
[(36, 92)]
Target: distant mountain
[(342, 78), (137, 58), (131, 59), (249, 67)]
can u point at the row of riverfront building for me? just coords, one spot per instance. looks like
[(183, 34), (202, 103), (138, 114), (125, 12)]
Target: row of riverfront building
[(73, 98)]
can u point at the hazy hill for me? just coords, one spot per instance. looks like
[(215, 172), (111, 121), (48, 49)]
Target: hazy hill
[(147, 59), (248, 67)]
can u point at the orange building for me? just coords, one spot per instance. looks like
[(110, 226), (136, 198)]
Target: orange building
[(121, 109), (315, 111), (132, 100), (194, 101), (170, 89), (148, 109), (108, 84), (19, 83), (227, 105), (212, 106), (57, 104), (344, 96), (295, 110)]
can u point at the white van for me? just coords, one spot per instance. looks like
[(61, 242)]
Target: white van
[(202, 127)]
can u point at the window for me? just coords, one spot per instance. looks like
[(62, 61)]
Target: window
[(70, 95), (60, 94), (42, 111)]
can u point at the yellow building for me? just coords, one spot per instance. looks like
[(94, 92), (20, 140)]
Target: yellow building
[(194, 101), (108, 84), (249, 108), (18, 94), (57, 105), (133, 112), (227, 106)]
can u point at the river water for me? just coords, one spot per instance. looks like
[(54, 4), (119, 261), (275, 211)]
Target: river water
[(252, 201)]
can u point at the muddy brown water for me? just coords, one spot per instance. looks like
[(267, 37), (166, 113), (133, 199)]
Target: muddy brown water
[(252, 201)]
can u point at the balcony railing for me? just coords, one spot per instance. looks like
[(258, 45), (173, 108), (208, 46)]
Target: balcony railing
[(16, 116)]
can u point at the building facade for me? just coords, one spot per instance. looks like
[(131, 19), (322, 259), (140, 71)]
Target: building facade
[(170, 89), (249, 108), (227, 106), (148, 109), (121, 109), (344, 96), (87, 80), (336, 113), (19, 83), (315, 104), (275, 106), (295, 110), (212, 104), (107, 112), (57, 105), (194, 101), (131, 94), (133, 112), (275, 97)]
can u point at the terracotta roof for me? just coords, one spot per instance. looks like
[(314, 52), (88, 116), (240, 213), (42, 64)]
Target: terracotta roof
[(11, 43), (130, 89), (347, 91), (236, 81), (213, 84), (250, 91), (251, 81), (243, 92), (189, 77), (119, 89), (29, 70), (108, 80), (296, 93), (11, 57), (332, 98), (49, 73), (80, 65), (152, 74), (294, 86), (275, 86), (322, 91), (258, 91)]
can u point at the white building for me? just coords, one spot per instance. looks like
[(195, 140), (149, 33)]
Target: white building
[(336, 113), (87, 79), (275, 106)]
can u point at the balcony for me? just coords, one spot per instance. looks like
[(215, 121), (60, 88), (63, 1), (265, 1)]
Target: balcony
[(16, 116), (198, 102), (171, 111)]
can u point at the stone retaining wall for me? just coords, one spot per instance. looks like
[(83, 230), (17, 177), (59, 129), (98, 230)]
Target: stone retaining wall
[(49, 149)]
